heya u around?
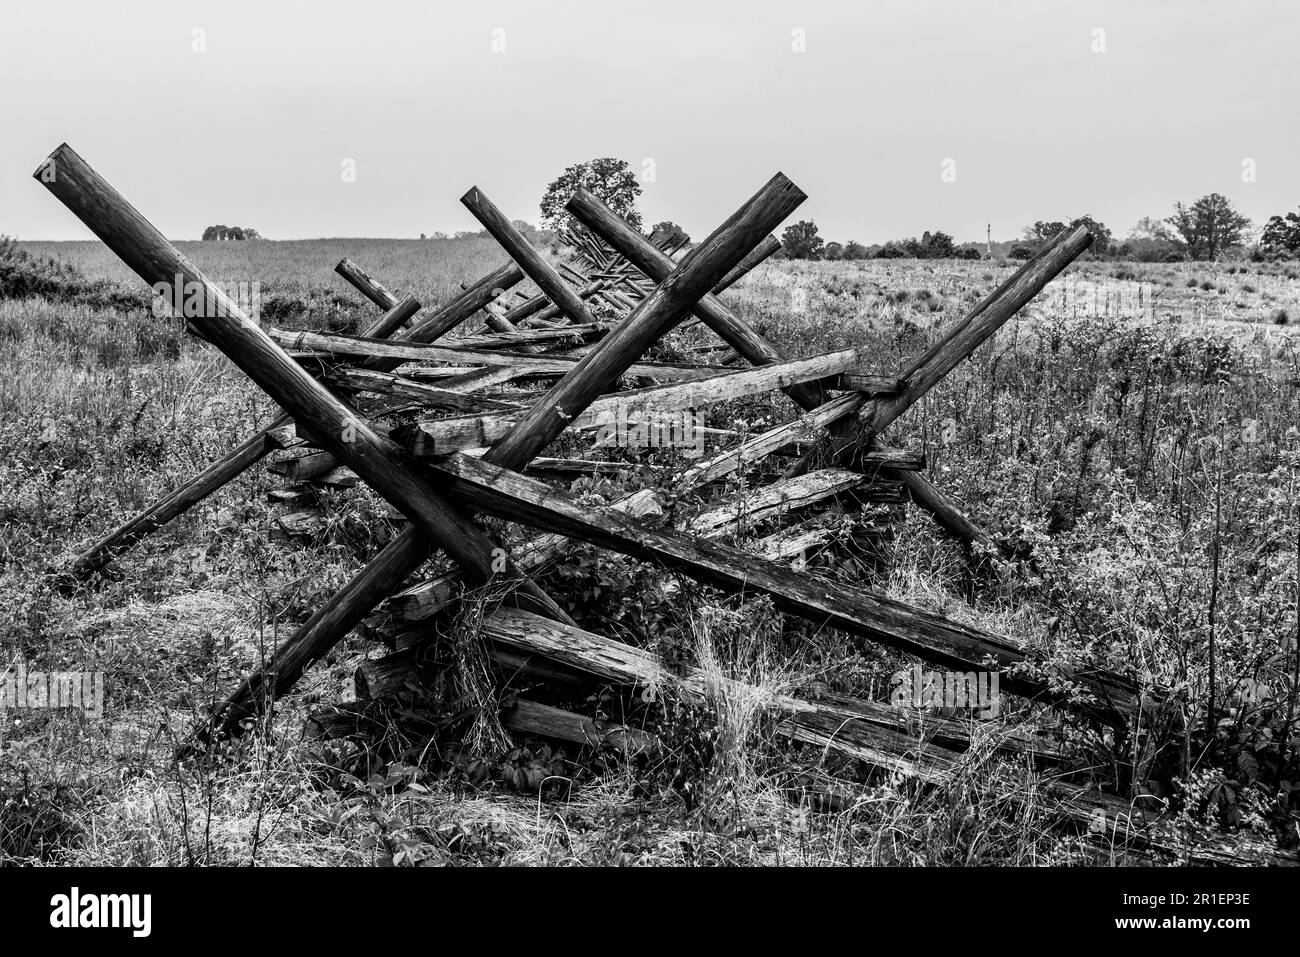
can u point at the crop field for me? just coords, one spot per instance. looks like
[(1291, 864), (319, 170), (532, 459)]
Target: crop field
[(1131, 441)]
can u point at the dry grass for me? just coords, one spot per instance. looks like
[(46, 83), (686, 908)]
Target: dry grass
[(100, 413)]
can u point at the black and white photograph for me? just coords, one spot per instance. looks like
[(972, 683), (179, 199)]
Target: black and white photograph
[(639, 439)]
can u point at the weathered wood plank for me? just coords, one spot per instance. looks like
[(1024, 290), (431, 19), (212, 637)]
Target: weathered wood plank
[(386, 383), (858, 611), (443, 436), (407, 351), (531, 717), (755, 506)]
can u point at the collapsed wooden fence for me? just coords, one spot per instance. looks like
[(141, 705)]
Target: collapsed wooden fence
[(473, 449)]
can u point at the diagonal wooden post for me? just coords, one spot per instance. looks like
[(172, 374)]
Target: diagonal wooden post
[(366, 284), (526, 255)]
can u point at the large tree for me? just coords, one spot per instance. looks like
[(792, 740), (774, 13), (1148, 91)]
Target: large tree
[(801, 241), (936, 245), (219, 233), (610, 179), (669, 233), (1281, 236), (1150, 228), (1044, 230), (1209, 226)]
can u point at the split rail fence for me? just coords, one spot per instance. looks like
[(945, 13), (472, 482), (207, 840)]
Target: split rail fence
[(472, 427)]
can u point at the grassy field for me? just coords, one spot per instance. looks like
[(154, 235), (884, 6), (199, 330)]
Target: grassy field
[(1134, 433)]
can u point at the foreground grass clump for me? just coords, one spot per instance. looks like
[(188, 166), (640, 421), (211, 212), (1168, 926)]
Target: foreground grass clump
[(1130, 441)]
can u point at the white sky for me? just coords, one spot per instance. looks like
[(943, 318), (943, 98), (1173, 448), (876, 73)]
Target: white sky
[(254, 131)]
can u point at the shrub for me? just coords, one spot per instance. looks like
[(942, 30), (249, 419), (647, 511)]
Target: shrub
[(23, 276)]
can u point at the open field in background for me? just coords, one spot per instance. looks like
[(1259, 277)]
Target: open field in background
[(1136, 423)]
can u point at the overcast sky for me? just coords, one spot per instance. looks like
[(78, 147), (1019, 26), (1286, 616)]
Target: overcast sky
[(1046, 109)]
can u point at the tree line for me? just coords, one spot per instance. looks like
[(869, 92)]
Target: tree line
[(1210, 228)]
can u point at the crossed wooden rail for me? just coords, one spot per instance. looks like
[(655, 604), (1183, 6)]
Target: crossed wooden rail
[(442, 471)]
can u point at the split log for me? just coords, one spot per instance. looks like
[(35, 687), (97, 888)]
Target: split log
[(307, 523), (297, 495), (760, 253), (386, 383), (407, 351), (339, 477), (532, 717), (443, 436), (527, 337), (450, 315), (303, 468), (755, 506), (789, 543), (860, 612), (395, 318), (927, 371), (759, 447)]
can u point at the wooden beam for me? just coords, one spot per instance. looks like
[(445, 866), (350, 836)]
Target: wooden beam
[(760, 253), (760, 446), (755, 506), (406, 351), (532, 717), (450, 315), (386, 383), (365, 284), (443, 436), (508, 495), (926, 372), (526, 255)]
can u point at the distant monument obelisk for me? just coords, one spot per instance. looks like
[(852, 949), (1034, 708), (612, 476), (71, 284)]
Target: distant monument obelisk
[(988, 240)]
